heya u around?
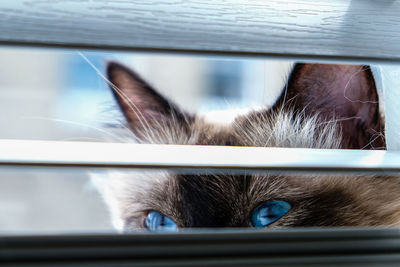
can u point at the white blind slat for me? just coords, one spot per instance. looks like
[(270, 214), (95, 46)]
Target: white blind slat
[(342, 29), (90, 154)]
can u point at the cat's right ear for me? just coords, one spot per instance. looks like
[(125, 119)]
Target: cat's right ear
[(343, 94), (149, 115)]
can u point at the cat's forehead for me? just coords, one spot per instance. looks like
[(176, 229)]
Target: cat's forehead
[(263, 128)]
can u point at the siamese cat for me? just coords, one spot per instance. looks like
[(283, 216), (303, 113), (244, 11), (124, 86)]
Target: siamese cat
[(322, 106)]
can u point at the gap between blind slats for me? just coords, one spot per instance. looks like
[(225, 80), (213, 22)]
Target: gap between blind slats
[(390, 78), (147, 156), (357, 30)]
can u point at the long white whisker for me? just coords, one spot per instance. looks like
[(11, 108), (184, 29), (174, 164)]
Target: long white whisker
[(82, 139), (347, 85), (74, 123), (280, 110), (131, 105), (378, 134)]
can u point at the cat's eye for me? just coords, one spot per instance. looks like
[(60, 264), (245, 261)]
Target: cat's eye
[(158, 222), (269, 212)]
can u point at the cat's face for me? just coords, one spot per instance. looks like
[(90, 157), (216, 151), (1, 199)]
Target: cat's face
[(324, 106)]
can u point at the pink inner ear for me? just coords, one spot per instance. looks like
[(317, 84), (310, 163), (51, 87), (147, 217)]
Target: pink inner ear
[(346, 93)]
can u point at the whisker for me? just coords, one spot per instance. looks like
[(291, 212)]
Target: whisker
[(83, 139), (338, 120), (120, 93), (74, 123), (369, 143), (377, 134), (348, 83)]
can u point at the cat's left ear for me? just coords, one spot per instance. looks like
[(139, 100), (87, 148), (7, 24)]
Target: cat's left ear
[(151, 116), (343, 93)]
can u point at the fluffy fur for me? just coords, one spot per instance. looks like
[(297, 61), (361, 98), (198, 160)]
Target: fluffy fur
[(343, 117)]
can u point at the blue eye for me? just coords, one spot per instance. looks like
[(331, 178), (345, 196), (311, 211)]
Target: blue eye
[(156, 221), (269, 212)]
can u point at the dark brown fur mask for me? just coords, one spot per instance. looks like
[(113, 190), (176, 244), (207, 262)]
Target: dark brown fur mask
[(323, 106)]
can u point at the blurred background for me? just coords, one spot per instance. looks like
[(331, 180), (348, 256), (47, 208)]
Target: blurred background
[(54, 94)]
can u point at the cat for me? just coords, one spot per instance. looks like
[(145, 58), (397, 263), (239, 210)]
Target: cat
[(322, 106)]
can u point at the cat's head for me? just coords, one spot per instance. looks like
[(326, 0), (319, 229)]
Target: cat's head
[(322, 106)]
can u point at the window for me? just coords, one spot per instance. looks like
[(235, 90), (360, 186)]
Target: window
[(322, 31)]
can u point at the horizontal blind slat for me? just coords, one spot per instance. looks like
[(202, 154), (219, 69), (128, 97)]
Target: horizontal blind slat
[(297, 247), (107, 155), (343, 30)]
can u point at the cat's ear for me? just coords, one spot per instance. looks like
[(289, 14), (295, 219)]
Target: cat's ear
[(343, 93), (150, 115)]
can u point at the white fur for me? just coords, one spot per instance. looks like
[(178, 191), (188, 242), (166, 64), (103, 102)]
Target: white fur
[(119, 188)]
